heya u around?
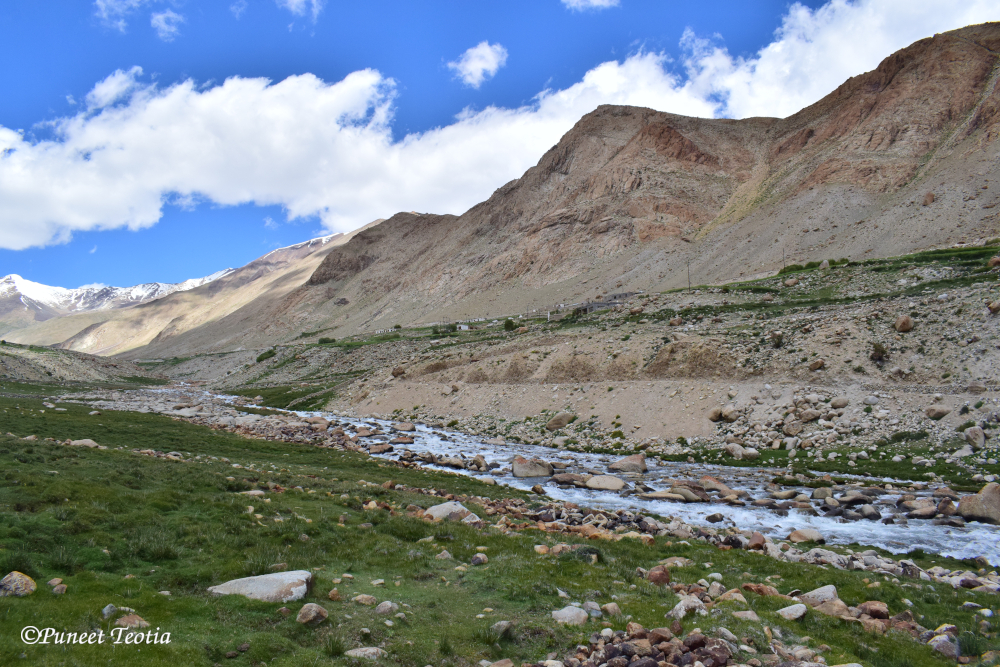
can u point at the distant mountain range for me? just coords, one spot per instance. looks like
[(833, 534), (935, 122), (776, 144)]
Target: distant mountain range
[(24, 301), (112, 320)]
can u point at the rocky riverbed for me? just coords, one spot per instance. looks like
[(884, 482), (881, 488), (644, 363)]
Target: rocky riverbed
[(896, 515)]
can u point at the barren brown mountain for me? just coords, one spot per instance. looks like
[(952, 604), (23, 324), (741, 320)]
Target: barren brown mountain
[(895, 160)]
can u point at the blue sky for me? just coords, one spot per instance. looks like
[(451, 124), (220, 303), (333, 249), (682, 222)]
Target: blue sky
[(146, 140)]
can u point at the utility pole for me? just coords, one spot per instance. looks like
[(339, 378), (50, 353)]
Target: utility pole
[(782, 257), (689, 275)]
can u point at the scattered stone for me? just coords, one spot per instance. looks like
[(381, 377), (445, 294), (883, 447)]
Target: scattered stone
[(131, 621), (479, 559), (367, 600), (311, 614), (368, 653), (59, 589), (903, 323)]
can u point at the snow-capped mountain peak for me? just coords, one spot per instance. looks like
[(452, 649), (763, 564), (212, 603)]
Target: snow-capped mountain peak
[(93, 297)]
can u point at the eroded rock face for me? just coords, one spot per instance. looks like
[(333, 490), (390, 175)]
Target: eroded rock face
[(983, 506), (276, 587)]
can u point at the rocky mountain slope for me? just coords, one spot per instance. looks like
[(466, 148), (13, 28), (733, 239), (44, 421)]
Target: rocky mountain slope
[(895, 160), (23, 302), (151, 325)]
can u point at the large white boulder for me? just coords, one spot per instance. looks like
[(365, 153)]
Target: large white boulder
[(276, 587)]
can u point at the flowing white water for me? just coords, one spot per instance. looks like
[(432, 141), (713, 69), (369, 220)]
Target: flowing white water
[(972, 540)]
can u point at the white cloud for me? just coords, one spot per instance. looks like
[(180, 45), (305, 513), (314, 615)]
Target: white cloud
[(113, 12), (814, 51), (92, 286), (479, 63), (93, 250), (238, 7), (167, 24), (590, 4), (326, 149), (113, 88), (303, 7)]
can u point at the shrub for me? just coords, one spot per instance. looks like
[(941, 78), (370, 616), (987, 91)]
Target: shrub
[(264, 356), (334, 646), (508, 325), (397, 326), (327, 341), (880, 353)]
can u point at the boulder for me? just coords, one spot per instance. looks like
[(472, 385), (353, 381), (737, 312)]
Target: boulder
[(570, 616), (611, 609), (311, 614), (659, 575), (480, 559), (792, 428), (605, 483), (836, 608), (450, 510), (734, 450), (983, 506), (86, 442), (387, 607), (937, 411), (839, 402), (817, 364), (874, 608), (976, 437), (806, 535), (276, 587), (367, 653), (688, 604), (367, 600), (819, 595), (561, 420), (715, 414), (404, 426), (730, 413), (522, 467), (747, 616), (635, 463), (17, 584), (793, 613), (810, 415), (903, 323)]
